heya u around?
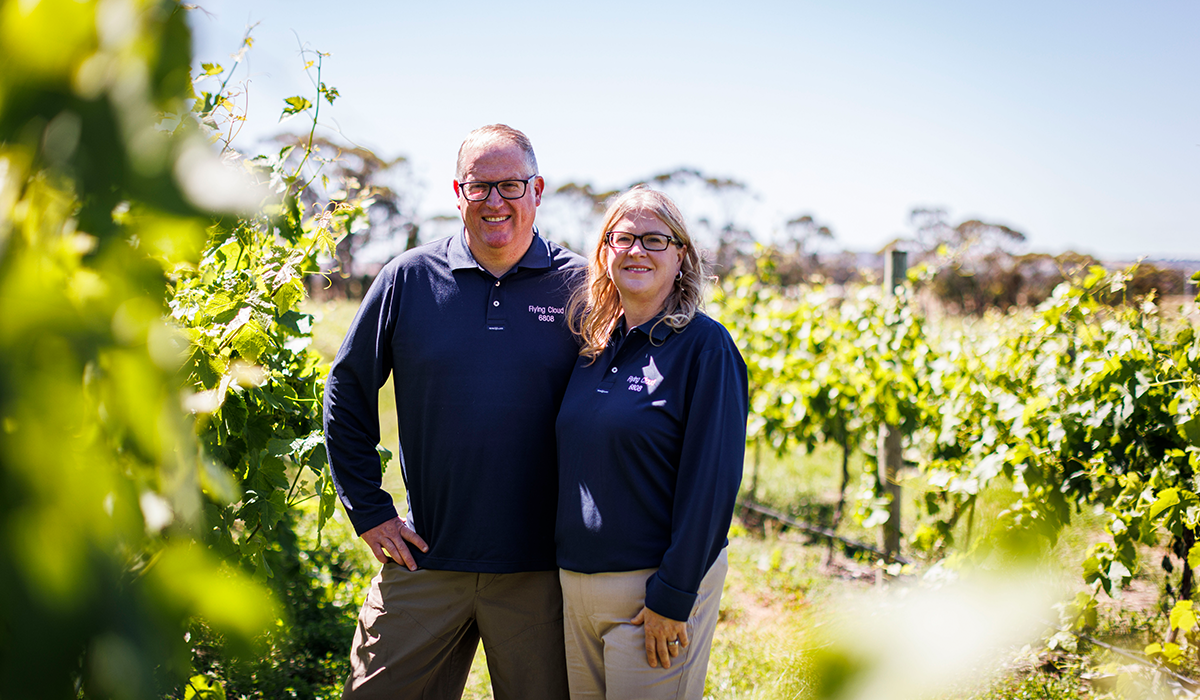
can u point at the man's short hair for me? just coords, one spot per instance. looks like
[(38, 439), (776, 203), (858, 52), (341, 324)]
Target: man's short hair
[(496, 132)]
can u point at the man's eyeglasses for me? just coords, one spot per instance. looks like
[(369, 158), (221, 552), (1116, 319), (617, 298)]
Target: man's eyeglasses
[(508, 189), (650, 241)]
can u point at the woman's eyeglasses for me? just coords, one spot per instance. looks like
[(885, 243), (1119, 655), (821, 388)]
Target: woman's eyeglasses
[(650, 241)]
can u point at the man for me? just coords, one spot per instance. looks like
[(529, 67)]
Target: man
[(472, 329)]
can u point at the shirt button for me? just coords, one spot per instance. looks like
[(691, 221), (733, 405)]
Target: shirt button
[(613, 370), (497, 283), (495, 303)]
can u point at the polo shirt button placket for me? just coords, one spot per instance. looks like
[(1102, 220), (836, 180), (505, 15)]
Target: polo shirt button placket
[(608, 380), (495, 316)]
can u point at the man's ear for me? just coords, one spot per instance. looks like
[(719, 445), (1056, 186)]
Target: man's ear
[(539, 184)]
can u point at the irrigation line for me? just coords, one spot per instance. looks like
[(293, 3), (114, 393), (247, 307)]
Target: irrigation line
[(818, 530), (1190, 683)]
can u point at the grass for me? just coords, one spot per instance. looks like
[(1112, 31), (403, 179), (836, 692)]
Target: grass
[(785, 596), (332, 320)]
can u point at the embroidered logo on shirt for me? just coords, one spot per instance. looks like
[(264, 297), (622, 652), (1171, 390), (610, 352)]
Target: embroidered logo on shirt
[(652, 375), (546, 314)]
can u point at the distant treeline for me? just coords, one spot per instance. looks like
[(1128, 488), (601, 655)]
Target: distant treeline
[(998, 280), (967, 267)]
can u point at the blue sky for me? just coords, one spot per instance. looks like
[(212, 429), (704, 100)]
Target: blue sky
[(1077, 123)]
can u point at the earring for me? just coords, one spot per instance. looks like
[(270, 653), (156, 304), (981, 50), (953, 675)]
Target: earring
[(679, 275)]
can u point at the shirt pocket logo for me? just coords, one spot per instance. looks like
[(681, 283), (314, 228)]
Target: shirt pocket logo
[(653, 378)]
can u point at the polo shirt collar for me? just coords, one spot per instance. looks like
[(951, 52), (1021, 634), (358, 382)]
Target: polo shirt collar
[(658, 332), (536, 258)]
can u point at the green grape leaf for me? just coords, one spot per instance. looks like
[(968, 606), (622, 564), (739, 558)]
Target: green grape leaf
[(385, 457), (1190, 430), (287, 295), (328, 500), (260, 429), (302, 446), (200, 687), (271, 474), (1183, 618), (279, 448), (234, 414), (1172, 652), (221, 307), (1193, 556), (274, 508), (251, 340), (295, 105), (1167, 498)]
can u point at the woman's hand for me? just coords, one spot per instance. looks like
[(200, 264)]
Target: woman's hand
[(664, 637)]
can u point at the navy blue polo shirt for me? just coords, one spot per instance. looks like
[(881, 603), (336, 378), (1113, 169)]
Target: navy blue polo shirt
[(480, 365), (651, 440)]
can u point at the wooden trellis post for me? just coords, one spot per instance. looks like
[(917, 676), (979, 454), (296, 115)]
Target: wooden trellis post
[(889, 449)]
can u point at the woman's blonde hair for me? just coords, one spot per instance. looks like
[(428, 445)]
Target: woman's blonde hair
[(594, 308)]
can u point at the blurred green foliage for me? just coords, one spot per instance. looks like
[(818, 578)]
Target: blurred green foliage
[(97, 456), (319, 586), (159, 405)]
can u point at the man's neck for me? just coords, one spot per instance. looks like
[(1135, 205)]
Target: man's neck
[(500, 261)]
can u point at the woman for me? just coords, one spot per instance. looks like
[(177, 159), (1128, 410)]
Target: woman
[(651, 439)]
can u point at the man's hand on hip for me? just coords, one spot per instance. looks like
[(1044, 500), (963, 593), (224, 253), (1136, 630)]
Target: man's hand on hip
[(387, 541)]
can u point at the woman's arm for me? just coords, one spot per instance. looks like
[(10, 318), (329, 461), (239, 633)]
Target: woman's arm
[(709, 475)]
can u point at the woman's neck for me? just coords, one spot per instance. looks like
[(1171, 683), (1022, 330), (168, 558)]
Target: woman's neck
[(638, 313)]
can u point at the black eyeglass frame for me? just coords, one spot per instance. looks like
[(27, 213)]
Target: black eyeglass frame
[(462, 188), (640, 238)]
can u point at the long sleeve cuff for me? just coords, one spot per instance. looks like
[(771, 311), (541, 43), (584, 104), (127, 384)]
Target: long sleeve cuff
[(669, 601), (364, 522)]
